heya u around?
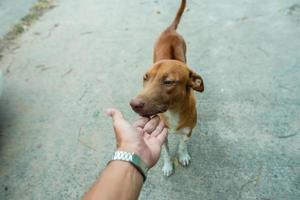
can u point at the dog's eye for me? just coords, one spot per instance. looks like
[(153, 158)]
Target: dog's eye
[(168, 82)]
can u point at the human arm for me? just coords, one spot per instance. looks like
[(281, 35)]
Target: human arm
[(120, 179)]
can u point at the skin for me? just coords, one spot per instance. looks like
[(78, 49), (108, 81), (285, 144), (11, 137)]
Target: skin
[(120, 179)]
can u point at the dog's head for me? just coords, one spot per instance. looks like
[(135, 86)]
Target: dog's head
[(166, 84)]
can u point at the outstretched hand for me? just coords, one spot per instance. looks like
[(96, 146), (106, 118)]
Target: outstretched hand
[(144, 137)]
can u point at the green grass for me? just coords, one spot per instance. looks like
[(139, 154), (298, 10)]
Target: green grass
[(36, 11)]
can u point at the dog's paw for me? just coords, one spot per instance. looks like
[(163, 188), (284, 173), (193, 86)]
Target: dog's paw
[(184, 159), (167, 169)]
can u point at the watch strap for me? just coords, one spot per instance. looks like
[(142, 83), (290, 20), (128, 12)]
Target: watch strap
[(134, 159)]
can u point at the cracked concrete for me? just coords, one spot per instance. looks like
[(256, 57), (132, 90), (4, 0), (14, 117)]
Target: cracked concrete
[(84, 56)]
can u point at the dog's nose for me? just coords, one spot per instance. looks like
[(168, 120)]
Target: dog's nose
[(137, 104)]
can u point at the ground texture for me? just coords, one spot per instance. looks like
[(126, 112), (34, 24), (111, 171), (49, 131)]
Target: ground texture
[(84, 56), (11, 11)]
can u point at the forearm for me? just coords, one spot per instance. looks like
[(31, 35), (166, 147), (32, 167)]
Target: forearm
[(120, 180)]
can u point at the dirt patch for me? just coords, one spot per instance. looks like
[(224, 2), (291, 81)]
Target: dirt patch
[(36, 11)]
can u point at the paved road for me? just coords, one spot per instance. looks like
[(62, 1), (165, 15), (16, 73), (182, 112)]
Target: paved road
[(11, 11), (84, 56)]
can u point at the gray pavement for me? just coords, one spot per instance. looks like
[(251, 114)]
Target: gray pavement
[(84, 56), (11, 11)]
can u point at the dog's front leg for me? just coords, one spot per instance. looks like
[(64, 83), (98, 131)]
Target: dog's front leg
[(168, 166), (183, 154)]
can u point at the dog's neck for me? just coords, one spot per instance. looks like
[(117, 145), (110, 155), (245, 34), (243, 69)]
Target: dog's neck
[(184, 104), (183, 112)]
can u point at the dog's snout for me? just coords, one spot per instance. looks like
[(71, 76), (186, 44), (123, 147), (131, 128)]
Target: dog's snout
[(137, 104)]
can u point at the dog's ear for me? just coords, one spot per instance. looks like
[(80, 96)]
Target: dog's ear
[(195, 81)]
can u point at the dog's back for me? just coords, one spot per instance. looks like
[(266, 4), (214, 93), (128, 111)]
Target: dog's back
[(171, 45)]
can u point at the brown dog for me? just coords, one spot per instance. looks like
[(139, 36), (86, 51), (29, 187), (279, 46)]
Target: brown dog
[(168, 90)]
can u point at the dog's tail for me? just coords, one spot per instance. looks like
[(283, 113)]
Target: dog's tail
[(176, 21)]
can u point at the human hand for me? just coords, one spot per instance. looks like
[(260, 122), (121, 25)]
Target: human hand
[(144, 137)]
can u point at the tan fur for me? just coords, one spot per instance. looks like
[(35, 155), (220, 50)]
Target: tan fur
[(159, 95)]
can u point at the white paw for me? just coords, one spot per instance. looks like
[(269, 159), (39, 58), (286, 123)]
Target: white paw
[(184, 159), (167, 169)]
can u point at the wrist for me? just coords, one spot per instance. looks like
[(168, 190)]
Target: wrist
[(134, 149), (133, 159), (120, 166)]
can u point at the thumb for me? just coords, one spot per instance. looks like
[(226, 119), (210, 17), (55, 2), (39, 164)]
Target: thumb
[(115, 114), (118, 120)]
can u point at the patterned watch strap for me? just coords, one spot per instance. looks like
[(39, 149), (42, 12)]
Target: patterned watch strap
[(134, 159)]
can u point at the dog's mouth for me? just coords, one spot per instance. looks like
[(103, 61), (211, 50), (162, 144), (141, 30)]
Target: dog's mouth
[(144, 112), (147, 108), (151, 113)]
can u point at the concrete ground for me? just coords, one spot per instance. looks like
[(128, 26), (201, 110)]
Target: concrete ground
[(11, 11), (84, 56)]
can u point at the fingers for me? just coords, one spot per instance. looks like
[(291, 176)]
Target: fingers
[(162, 136), (139, 129), (151, 125), (140, 123), (114, 114), (158, 129)]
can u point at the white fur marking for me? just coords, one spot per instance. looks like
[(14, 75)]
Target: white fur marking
[(183, 154), (173, 120), (167, 169), (168, 166)]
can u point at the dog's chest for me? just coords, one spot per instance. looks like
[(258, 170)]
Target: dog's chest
[(173, 120)]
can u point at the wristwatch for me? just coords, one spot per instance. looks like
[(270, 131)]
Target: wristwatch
[(134, 159)]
